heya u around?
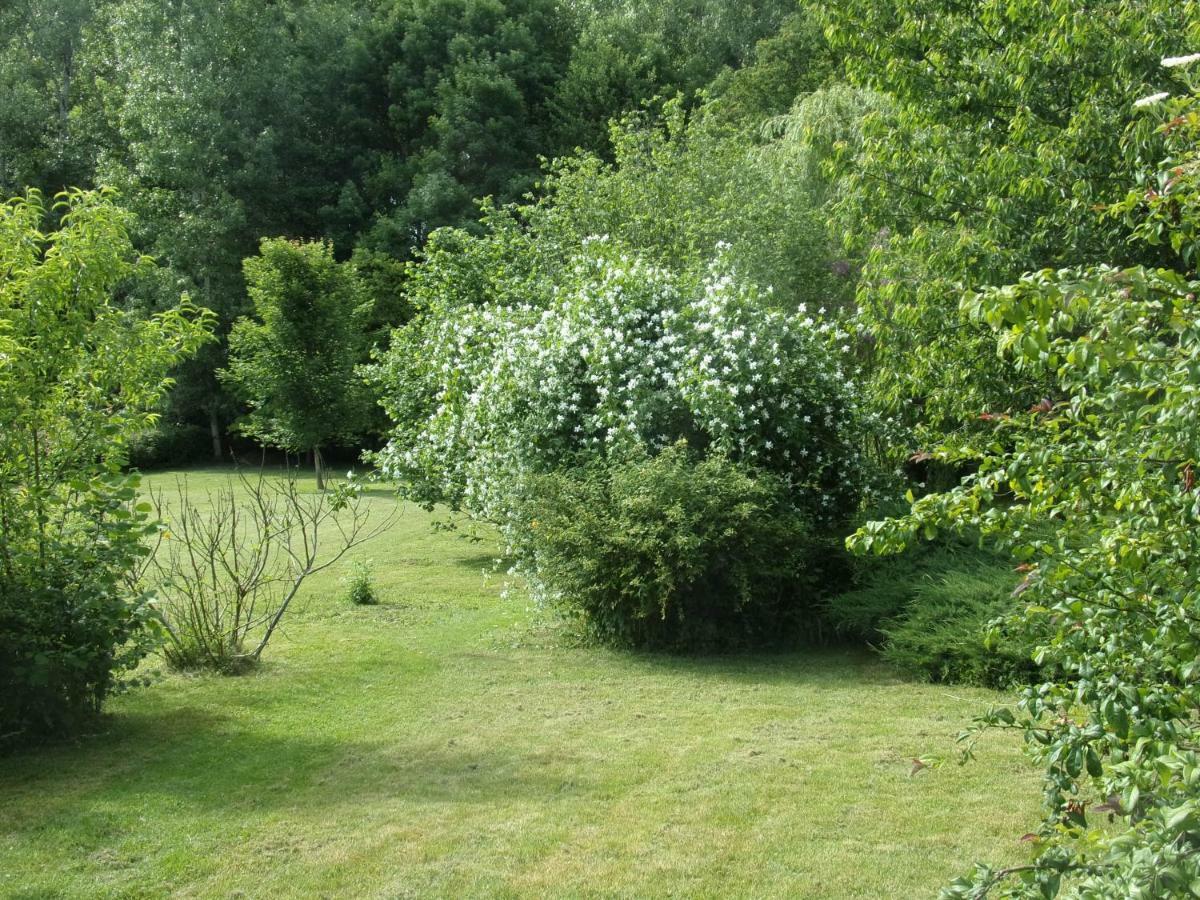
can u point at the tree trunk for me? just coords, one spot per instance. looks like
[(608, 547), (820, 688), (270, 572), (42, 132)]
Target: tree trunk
[(319, 468), (214, 429), (64, 91)]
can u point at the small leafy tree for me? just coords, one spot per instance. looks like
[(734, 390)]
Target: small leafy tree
[(79, 378), (293, 362)]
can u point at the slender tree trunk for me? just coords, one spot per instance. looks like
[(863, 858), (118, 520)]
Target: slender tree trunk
[(214, 429), (214, 421), (319, 467), (64, 92)]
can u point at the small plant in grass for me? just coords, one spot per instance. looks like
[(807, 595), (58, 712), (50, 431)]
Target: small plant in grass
[(360, 583), (227, 569)]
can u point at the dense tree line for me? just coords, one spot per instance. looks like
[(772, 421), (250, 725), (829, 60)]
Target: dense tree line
[(367, 125)]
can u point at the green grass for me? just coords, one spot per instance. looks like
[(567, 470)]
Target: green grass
[(449, 742)]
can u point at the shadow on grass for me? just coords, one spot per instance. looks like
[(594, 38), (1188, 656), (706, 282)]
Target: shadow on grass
[(816, 666), (834, 664), (208, 762), (477, 562)]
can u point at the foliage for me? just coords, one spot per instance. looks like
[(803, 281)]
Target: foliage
[(623, 355), (42, 138), (360, 584), (673, 551), (1005, 135), (79, 379), (220, 122), (1108, 460), (952, 630), (293, 363), (790, 63), (628, 54), (822, 128), (882, 587), (938, 612), (229, 567), (466, 84), (167, 444), (681, 183)]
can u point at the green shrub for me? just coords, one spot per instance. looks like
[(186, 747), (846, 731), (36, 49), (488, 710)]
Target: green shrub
[(883, 587), (877, 595), (69, 625), (360, 584), (673, 553), (79, 378), (171, 444), (930, 613), (944, 633)]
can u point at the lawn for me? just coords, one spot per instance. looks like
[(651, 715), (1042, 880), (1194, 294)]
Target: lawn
[(452, 742)]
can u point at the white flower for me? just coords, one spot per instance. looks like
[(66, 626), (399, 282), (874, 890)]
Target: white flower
[(1175, 62), (1152, 99)]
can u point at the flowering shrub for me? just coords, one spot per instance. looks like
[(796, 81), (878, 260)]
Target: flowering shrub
[(626, 355), (619, 356)]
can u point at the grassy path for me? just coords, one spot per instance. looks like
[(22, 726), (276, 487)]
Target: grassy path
[(446, 744)]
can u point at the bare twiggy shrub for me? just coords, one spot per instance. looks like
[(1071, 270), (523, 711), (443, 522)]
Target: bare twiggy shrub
[(227, 569)]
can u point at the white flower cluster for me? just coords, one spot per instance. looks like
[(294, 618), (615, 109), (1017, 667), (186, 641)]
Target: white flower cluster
[(1169, 62), (1178, 62), (625, 354)]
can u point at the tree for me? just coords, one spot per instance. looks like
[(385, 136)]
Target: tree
[(466, 83), (42, 142), (79, 379), (678, 185), (1002, 137), (227, 121), (1094, 489), (629, 52), (294, 362)]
